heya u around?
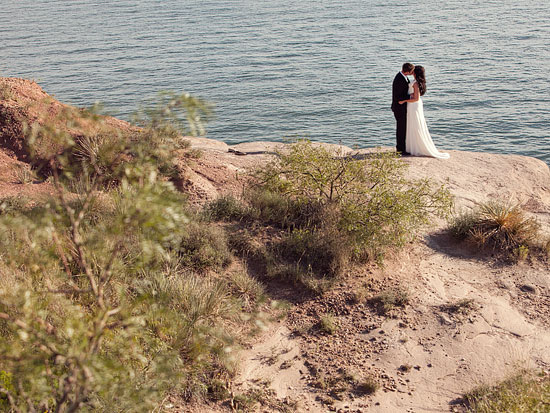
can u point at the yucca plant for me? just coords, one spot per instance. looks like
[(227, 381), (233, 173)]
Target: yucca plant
[(499, 225)]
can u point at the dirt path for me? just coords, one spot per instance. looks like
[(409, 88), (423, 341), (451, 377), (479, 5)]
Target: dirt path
[(468, 322)]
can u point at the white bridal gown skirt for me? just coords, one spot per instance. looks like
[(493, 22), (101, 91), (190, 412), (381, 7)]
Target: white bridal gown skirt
[(419, 142)]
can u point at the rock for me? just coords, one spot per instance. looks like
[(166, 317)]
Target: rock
[(444, 319), (529, 288)]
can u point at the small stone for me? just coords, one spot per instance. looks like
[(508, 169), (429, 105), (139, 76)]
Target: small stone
[(444, 319), (430, 365)]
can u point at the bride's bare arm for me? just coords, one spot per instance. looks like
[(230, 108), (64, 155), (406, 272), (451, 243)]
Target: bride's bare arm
[(415, 95)]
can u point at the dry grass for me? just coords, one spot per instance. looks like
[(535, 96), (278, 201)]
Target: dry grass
[(522, 393), (328, 324), (388, 300), (463, 307), (500, 226)]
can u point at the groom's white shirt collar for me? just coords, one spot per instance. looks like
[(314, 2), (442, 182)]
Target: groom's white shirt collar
[(406, 78)]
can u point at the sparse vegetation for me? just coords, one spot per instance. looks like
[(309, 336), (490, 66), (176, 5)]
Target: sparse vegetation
[(502, 227), (390, 299), (367, 385), (5, 92), (523, 393), (464, 306), (261, 395), (324, 210), (24, 175), (107, 303), (328, 324)]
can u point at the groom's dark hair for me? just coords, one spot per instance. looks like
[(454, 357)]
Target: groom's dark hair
[(407, 67)]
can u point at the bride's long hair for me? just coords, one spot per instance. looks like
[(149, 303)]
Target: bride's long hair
[(420, 76)]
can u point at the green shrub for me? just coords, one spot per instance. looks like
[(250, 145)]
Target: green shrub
[(225, 208), (370, 201), (497, 225), (324, 252), (100, 309)]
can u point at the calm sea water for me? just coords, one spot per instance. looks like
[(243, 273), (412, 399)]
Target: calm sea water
[(315, 68)]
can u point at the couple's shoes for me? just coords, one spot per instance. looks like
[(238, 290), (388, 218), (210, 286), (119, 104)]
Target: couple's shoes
[(404, 153)]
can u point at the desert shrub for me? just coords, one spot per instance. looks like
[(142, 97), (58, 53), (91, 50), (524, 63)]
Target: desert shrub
[(100, 309), (500, 226), (24, 174), (323, 209), (203, 247), (368, 385), (225, 208), (368, 201), (13, 204), (324, 252), (5, 92), (250, 290), (524, 392), (328, 324)]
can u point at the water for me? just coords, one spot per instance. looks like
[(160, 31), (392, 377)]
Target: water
[(320, 69)]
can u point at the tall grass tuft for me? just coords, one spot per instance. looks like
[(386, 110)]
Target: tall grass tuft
[(497, 225), (522, 393)]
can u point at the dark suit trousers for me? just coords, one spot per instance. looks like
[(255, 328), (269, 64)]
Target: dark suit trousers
[(401, 130)]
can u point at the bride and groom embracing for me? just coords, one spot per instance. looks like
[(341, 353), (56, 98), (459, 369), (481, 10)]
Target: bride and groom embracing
[(413, 137)]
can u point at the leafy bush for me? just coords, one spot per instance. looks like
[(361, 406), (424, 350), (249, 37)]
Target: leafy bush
[(377, 207), (497, 225), (335, 208)]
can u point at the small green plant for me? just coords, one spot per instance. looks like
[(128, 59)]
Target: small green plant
[(521, 252), (501, 226), (522, 393), (328, 324)]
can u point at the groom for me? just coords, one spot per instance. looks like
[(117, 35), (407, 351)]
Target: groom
[(400, 91)]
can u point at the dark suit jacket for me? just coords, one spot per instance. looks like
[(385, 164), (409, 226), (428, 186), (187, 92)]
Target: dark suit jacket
[(400, 91)]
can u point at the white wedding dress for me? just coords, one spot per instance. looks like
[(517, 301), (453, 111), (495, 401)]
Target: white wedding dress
[(418, 140)]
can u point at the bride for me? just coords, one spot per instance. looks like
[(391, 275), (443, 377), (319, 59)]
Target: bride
[(418, 140)]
